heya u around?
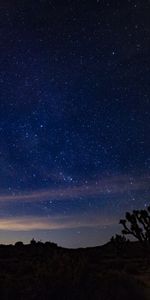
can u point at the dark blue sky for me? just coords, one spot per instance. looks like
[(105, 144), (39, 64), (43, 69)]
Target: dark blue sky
[(74, 118)]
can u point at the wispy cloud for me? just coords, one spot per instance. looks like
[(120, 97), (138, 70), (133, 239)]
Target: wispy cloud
[(26, 223), (111, 185)]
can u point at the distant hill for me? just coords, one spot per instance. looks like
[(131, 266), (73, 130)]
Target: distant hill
[(45, 271)]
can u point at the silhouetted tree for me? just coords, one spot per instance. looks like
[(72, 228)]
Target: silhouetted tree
[(119, 242), (51, 245), (19, 244), (33, 242), (137, 224)]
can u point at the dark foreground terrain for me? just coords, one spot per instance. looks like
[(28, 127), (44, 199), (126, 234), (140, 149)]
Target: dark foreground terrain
[(45, 271)]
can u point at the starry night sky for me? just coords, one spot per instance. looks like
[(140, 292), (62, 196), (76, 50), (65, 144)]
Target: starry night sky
[(74, 118)]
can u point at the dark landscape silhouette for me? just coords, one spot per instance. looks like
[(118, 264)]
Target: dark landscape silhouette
[(117, 270)]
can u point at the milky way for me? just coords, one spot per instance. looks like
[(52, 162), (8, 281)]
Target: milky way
[(74, 118)]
